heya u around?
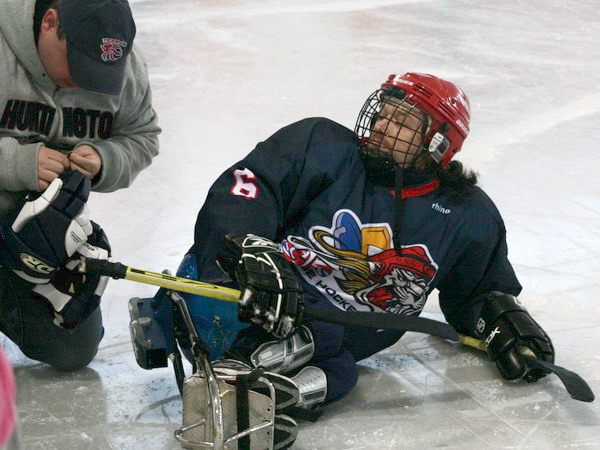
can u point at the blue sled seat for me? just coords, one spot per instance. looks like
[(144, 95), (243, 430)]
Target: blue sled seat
[(215, 320)]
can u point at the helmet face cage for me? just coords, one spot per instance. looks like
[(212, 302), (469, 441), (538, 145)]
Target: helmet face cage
[(393, 129), (441, 107)]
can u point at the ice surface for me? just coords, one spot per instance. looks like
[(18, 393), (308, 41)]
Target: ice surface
[(226, 74)]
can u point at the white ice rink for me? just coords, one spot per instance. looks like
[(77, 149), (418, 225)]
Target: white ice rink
[(226, 74)]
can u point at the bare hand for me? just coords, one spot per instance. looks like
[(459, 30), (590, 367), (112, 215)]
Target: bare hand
[(87, 160), (51, 164)]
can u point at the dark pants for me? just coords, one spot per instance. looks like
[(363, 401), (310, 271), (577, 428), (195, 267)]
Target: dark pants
[(27, 321), (337, 348)]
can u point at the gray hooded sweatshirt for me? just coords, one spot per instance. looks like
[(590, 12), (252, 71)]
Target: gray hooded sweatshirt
[(34, 111)]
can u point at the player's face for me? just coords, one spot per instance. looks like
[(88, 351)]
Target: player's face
[(53, 51), (397, 131)]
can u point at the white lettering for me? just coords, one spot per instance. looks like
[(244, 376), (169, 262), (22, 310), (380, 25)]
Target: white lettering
[(333, 295), (480, 325), (35, 264), (462, 126), (440, 208), (492, 335), (399, 79)]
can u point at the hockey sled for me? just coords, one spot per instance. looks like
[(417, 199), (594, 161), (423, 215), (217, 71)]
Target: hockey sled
[(219, 411)]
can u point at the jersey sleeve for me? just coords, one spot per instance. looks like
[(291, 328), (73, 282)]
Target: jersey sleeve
[(268, 191), (483, 267)]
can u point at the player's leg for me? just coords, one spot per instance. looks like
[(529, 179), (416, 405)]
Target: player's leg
[(313, 359), (364, 342), (27, 321)]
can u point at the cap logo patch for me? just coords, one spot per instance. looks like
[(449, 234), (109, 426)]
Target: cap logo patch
[(112, 49)]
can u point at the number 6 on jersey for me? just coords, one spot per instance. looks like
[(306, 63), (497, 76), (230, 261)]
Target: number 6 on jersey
[(243, 187)]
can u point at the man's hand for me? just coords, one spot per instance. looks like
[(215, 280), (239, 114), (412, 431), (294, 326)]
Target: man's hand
[(510, 333), (51, 163), (271, 293), (86, 160)]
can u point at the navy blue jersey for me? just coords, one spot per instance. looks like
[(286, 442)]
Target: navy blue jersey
[(306, 187)]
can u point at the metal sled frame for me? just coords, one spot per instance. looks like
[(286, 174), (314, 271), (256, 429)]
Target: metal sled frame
[(214, 403)]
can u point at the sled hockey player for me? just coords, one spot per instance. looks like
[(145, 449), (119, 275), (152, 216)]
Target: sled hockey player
[(367, 220)]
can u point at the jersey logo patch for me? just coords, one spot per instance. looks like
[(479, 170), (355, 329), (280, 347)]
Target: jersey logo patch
[(356, 267), (243, 185)]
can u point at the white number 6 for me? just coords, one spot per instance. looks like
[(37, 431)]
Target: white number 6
[(243, 187)]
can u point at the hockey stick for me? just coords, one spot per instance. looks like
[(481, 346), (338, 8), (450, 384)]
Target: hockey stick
[(576, 386), (351, 318), (471, 342)]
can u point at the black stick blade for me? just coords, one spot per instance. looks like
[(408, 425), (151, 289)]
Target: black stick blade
[(576, 386)]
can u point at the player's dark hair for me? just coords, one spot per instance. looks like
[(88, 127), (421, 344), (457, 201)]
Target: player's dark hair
[(458, 181), (455, 178)]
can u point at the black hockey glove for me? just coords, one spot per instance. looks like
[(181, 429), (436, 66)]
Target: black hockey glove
[(45, 232), (271, 292), (75, 295), (510, 333)]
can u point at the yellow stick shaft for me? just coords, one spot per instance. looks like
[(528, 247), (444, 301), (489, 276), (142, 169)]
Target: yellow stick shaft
[(182, 284), (471, 342), (117, 270)]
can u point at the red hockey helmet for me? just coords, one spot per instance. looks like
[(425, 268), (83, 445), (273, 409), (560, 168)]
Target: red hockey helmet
[(445, 105)]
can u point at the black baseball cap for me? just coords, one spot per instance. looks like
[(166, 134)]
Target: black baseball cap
[(100, 36)]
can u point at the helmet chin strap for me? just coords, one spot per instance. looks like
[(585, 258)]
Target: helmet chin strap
[(398, 207)]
